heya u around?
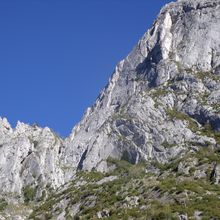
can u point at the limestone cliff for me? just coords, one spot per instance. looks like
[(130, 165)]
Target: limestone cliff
[(160, 96), (161, 102)]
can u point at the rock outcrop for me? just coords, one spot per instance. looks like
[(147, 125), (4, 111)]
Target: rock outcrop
[(161, 101), (163, 98), (29, 157)]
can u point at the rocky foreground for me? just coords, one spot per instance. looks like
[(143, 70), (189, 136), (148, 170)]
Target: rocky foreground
[(149, 146)]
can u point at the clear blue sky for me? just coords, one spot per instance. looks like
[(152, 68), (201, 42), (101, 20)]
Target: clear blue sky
[(57, 55)]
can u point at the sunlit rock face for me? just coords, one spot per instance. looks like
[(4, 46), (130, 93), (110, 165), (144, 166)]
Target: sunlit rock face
[(160, 96), (29, 156), (161, 101)]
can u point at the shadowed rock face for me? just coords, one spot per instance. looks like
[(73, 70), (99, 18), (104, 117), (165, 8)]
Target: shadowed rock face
[(161, 101)]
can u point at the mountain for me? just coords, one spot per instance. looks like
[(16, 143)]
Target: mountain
[(155, 127), (160, 96)]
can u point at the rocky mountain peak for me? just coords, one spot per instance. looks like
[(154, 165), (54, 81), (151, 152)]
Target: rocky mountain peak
[(168, 82), (4, 125), (161, 103)]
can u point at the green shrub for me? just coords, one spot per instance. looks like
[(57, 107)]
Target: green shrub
[(168, 145), (29, 193), (174, 114), (159, 92), (91, 176), (3, 205), (207, 154)]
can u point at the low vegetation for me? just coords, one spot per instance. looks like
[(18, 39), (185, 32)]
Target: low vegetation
[(137, 192), (3, 204), (174, 114), (29, 193)]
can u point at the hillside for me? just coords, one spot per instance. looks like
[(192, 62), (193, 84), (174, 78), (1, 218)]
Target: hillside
[(149, 146)]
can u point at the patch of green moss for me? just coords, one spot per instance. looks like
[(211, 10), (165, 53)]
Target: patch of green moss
[(44, 209), (199, 187), (208, 205), (171, 165), (3, 205), (208, 155), (91, 176), (159, 92), (137, 79), (208, 131), (161, 211), (29, 193), (121, 115), (125, 169), (174, 114), (202, 75), (216, 106), (122, 166), (168, 145), (206, 74), (204, 98)]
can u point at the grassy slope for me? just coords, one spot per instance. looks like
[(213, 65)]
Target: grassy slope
[(140, 195)]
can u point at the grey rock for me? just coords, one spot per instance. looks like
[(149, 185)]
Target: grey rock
[(198, 215), (75, 209), (183, 217), (169, 68), (154, 108), (106, 179), (183, 168), (103, 214), (29, 157), (131, 201), (200, 174), (215, 176)]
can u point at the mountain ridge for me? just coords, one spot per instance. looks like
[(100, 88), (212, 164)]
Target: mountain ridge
[(161, 103)]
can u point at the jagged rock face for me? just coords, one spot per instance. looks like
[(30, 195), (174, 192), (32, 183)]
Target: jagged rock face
[(161, 101), (29, 157), (160, 96)]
